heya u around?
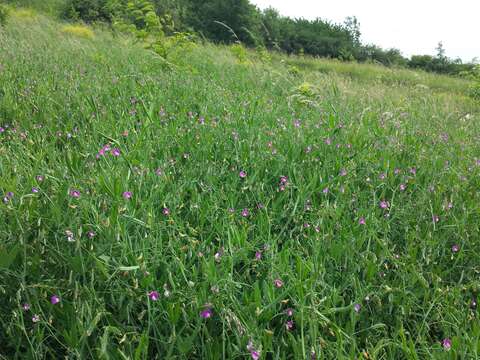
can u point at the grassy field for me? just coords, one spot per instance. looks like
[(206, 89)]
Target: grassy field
[(289, 208)]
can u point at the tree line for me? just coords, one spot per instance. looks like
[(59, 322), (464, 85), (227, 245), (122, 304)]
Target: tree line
[(229, 21)]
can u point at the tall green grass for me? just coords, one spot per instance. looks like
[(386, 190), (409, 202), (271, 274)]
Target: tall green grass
[(323, 149)]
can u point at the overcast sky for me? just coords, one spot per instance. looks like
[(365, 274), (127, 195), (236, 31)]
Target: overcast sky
[(413, 26)]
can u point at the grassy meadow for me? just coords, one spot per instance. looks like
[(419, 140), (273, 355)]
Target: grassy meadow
[(231, 206)]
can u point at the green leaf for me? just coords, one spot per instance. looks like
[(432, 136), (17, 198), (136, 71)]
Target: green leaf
[(8, 257)]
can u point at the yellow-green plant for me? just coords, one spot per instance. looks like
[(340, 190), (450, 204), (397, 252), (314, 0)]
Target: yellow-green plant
[(264, 54), (240, 53), (81, 31), (139, 18), (24, 13)]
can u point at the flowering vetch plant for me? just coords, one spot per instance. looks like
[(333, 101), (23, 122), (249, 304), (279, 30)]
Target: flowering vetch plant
[(74, 193), (447, 344), (154, 295), (206, 313)]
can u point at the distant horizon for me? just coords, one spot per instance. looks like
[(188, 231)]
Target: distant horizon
[(428, 23)]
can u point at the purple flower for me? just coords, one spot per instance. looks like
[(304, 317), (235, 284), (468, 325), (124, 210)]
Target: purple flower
[(296, 123), (154, 295), (166, 211), (382, 176), (35, 318), (283, 180), (289, 325), (278, 283), (40, 178), (91, 234), (413, 171), (242, 174), (357, 308), (159, 172), (206, 313), (326, 190), (258, 255), (26, 306), (245, 212), (74, 193), (447, 343), (384, 204), (435, 218), (127, 195), (116, 152), (289, 312), (362, 221), (255, 354), (2, 129), (455, 248), (34, 190), (55, 299), (403, 187), (397, 171)]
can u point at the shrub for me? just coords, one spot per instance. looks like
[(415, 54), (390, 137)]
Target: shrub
[(4, 11), (475, 88), (78, 30), (87, 10), (139, 18)]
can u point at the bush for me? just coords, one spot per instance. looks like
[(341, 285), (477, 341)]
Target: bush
[(87, 10), (4, 11), (475, 88)]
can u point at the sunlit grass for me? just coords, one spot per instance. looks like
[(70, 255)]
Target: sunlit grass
[(78, 31)]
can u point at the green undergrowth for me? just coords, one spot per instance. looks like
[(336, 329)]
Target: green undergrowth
[(222, 203)]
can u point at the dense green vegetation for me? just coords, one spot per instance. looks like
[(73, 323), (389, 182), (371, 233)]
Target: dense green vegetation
[(223, 202), (229, 21)]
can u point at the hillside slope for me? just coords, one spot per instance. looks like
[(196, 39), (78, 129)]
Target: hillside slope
[(217, 208)]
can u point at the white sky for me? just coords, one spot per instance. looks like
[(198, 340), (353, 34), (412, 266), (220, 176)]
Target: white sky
[(413, 26)]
